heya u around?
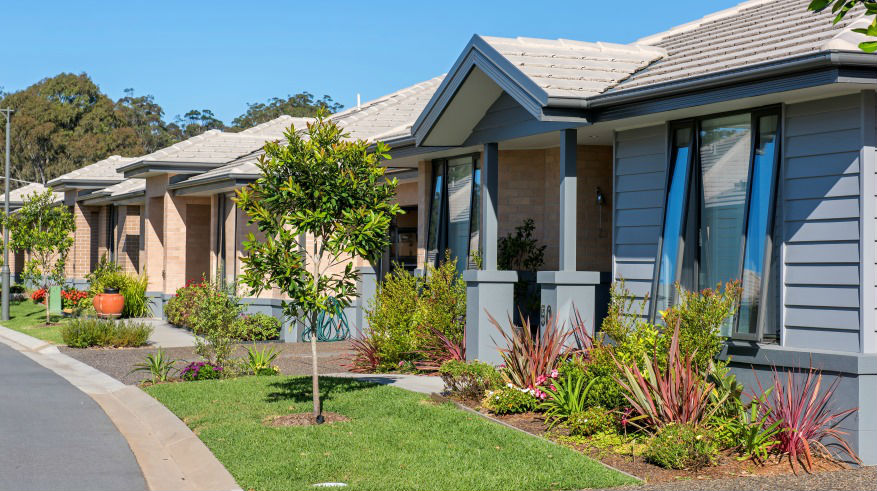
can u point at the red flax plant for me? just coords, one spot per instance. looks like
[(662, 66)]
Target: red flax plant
[(527, 357), (438, 347), (804, 415), (583, 339), (677, 393), (365, 357)]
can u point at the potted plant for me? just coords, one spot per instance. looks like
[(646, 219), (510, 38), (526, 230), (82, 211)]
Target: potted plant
[(111, 302)]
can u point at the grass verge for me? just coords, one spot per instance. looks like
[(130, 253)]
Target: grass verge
[(395, 440), (30, 318)]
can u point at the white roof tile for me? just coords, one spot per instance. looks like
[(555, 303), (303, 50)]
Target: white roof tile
[(567, 68), (753, 32), (102, 170), (18, 195)]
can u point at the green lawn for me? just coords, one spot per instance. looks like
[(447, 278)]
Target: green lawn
[(30, 318), (394, 440)]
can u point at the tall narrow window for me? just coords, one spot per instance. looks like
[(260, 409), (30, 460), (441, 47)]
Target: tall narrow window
[(718, 219), (435, 214), (451, 227), (758, 251), (475, 225), (674, 217)]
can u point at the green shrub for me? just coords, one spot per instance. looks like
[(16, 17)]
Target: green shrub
[(701, 316), (682, 446), (214, 319), (441, 304), (259, 362), (470, 379), (600, 372), (158, 365), (565, 396), (418, 320), (393, 317), (256, 327), (590, 421), (181, 308), (87, 332), (509, 400)]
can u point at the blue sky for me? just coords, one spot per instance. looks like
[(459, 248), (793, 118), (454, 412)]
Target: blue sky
[(220, 55)]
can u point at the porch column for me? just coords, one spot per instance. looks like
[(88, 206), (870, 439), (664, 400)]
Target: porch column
[(488, 291), (567, 290), (568, 183)]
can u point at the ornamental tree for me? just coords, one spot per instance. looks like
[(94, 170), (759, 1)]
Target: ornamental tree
[(321, 201), (841, 7), (44, 230)]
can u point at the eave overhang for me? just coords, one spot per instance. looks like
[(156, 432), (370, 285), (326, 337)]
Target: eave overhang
[(81, 184), (149, 168)]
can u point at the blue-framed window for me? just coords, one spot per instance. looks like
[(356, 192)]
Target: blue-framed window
[(719, 214)]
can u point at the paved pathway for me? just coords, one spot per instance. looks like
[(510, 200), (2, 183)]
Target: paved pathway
[(426, 384), (53, 436), (167, 335)]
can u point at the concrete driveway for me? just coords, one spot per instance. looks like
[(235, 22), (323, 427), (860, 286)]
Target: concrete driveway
[(55, 437)]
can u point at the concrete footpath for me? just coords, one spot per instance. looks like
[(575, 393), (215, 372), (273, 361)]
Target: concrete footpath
[(65, 425)]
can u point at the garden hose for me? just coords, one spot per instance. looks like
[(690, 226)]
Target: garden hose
[(331, 326)]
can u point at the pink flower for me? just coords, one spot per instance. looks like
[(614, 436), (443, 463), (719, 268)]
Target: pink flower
[(554, 373), (541, 379), (552, 387), (401, 363), (501, 365)]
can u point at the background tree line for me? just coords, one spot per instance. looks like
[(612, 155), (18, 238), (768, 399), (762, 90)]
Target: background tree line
[(65, 122)]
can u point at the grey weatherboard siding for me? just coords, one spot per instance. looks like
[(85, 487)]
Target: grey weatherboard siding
[(640, 175), (821, 194)]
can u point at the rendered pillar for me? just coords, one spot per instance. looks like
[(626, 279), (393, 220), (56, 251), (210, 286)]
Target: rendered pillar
[(488, 292)]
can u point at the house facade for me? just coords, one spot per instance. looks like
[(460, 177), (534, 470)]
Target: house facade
[(737, 147)]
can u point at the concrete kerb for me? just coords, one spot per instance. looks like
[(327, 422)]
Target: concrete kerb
[(170, 456)]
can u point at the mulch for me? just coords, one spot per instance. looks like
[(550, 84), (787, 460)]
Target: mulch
[(294, 358), (729, 473), (303, 419)]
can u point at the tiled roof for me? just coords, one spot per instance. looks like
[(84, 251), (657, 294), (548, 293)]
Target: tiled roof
[(102, 170), (275, 128), (125, 187), (212, 146), (388, 116), (566, 68), (17, 196), (750, 33)]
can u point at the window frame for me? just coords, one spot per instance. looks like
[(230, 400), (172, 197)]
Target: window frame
[(694, 183), (442, 226)]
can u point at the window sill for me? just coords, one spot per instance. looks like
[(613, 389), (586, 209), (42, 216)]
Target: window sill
[(769, 354)]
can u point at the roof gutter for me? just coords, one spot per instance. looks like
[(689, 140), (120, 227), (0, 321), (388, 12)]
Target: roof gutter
[(792, 65)]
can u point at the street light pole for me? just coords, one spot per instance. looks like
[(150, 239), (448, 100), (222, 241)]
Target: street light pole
[(4, 270)]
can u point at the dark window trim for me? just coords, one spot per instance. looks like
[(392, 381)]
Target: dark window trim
[(694, 162), (442, 229)]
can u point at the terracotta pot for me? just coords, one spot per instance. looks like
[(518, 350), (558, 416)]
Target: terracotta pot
[(109, 304)]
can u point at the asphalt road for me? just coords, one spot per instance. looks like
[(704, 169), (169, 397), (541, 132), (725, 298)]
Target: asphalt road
[(55, 437)]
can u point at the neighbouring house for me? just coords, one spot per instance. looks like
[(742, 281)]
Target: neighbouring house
[(740, 146), (17, 197), (228, 228), (177, 228), (95, 220)]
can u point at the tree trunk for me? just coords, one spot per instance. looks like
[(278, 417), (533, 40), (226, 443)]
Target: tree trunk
[(315, 376)]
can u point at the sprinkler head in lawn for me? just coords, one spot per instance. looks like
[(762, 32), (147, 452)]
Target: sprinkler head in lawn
[(320, 419)]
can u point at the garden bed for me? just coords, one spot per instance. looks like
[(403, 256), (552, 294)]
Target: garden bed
[(728, 466)]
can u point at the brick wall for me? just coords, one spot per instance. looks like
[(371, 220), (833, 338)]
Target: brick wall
[(128, 245), (529, 185)]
